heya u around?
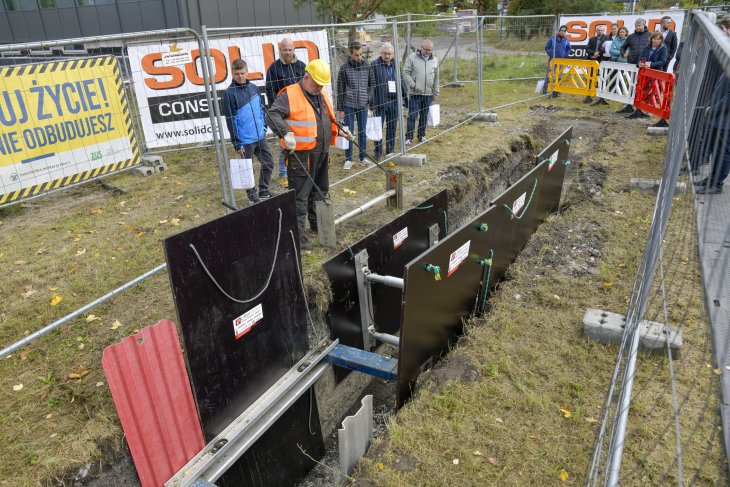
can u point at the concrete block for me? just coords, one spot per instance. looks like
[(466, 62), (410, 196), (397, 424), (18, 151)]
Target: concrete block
[(410, 160), (151, 161), (485, 117), (161, 167), (355, 436), (652, 185), (657, 130), (607, 327), (143, 171)]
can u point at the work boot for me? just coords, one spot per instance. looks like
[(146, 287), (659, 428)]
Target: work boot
[(660, 124)]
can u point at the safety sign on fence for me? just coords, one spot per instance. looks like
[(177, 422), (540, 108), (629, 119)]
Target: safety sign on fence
[(654, 92), (169, 85), (617, 81), (573, 76), (62, 123)]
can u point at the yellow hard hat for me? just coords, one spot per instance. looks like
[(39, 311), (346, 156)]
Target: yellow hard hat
[(320, 72)]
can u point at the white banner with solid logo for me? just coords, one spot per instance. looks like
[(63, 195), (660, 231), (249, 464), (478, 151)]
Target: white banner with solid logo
[(617, 82), (582, 27), (169, 87)]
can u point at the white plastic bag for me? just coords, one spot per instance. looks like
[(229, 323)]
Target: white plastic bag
[(434, 115), (242, 174), (374, 128), (342, 143), (540, 86)]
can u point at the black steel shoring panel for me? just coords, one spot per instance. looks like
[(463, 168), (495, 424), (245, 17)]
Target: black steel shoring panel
[(344, 311), (557, 153), (276, 459), (433, 308), (228, 373)]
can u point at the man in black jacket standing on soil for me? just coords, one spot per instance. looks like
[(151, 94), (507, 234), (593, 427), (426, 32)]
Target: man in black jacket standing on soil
[(631, 50), (593, 50)]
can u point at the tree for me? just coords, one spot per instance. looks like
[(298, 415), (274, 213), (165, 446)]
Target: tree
[(556, 7), (341, 11)]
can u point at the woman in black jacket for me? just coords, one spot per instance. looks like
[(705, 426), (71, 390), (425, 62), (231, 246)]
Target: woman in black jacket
[(655, 55)]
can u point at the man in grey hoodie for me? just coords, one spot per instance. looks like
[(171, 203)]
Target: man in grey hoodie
[(421, 75)]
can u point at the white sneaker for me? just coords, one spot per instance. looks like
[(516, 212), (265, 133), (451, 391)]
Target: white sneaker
[(408, 142), (367, 163), (347, 165)]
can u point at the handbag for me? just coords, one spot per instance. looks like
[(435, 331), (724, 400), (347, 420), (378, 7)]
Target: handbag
[(434, 115), (342, 143), (374, 128), (241, 171)]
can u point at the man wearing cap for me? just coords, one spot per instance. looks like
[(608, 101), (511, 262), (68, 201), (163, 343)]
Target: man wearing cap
[(558, 46), (302, 116)]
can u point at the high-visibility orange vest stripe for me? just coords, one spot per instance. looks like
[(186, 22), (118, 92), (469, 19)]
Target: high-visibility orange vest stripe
[(302, 120)]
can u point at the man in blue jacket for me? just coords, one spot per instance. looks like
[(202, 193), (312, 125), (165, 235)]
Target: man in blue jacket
[(558, 46), (245, 120), (283, 72), (385, 97)]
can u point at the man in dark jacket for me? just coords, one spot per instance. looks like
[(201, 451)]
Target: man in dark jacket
[(385, 97), (631, 50), (593, 50), (354, 91), (283, 72), (245, 120), (670, 38)]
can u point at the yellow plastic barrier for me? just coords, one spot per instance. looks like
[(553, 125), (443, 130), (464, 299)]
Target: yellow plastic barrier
[(575, 76)]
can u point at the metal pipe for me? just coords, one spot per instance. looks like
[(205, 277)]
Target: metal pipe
[(399, 93), (361, 209), (49, 328), (218, 139), (391, 281), (480, 75), (385, 337), (456, 53)]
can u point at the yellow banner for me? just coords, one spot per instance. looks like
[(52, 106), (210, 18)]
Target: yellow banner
[(61, 123), (579, 77)]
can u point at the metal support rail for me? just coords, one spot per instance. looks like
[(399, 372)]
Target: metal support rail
[(226, 448), (367, 205), (384, 337), (49, 328)]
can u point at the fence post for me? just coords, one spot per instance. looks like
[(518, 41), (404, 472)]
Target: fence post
[(407, 50), (399, 91), (219, 140), (456, 53), (480, 75)]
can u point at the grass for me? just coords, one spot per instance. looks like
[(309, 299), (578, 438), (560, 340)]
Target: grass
[(531, 417)]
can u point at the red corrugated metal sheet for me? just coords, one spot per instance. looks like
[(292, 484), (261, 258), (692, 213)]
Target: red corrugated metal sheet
[(150, 387)]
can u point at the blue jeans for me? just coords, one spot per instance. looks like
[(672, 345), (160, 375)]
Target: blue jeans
[(388, 113), (417, 107), (282, 162), (362, 119)]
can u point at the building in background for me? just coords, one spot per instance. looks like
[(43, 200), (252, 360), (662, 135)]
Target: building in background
[(41, 20)]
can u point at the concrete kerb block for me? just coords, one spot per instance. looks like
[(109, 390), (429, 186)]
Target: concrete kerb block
[(657, 130), (485, 116), (151, 161), (143, 171), (607, 327), (652, 185), (410, 160)]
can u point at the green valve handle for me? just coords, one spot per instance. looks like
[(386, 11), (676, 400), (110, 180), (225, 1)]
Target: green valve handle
[(483, 227), (566, 162), (485, 262), (566, 141), (435, 269)]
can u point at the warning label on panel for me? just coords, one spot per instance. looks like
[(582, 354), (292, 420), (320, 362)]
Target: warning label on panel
[(247, 320), (553, 160), (176, 58), (457, 257), (399, 238), (518, 204)]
